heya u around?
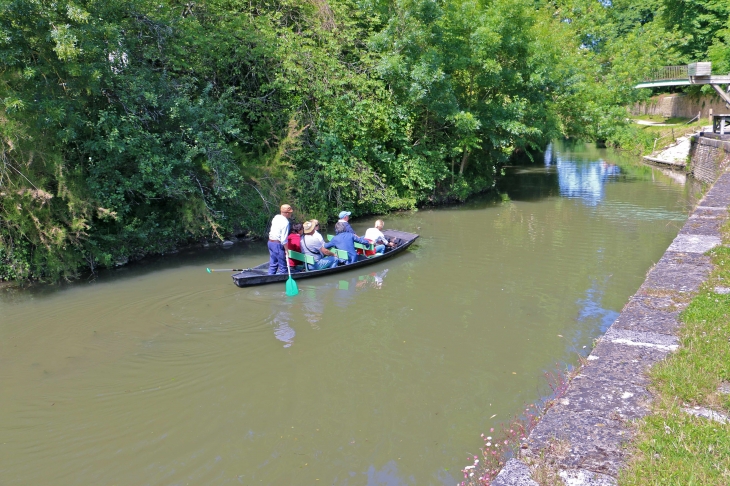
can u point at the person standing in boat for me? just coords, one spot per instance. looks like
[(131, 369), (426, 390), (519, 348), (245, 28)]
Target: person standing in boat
[(278, 240), (345, 219), (312, 244), (344, 240)]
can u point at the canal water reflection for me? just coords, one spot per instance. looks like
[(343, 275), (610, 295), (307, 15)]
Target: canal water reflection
[(311, 301), (159, 373)]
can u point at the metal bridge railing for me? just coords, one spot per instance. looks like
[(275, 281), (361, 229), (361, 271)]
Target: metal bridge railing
[(669, 73)]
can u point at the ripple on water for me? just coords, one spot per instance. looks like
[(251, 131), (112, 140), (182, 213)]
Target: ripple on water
[(175, 375)]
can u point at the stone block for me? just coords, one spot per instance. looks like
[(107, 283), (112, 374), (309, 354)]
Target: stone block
[(612, 354), (698, 226), (655, 302), (694, 243), (723, 182), (708, 414), (675, 278), (582, 477), (677, 257), (710, 213), (606, 395), (648, 314), (514, 473), (595, 442), (717, 200)]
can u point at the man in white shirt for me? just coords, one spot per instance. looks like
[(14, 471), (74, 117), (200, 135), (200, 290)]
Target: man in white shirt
[(277, 240), (376, 236)]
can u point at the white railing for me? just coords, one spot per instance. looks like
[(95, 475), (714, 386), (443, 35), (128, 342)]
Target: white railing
[(667, 73)]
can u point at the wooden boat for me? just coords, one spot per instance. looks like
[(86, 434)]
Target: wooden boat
[(259, 275)]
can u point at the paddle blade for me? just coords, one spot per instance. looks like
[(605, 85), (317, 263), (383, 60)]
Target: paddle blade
[(291, 287), (208, 270)]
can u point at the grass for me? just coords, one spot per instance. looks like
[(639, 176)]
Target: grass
[(665, 136), (644, 139), (673, 447), (661, 119)]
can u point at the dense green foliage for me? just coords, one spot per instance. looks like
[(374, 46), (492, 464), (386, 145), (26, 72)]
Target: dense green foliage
[(129, 127)]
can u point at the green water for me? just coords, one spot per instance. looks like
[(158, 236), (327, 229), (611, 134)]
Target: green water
[(159, 373)]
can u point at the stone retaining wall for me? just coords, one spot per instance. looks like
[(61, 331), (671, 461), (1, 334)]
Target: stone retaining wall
[(681, 105), (708, 158), (585, 431)]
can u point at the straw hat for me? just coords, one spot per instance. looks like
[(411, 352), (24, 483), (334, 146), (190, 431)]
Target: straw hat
[(310, 226)]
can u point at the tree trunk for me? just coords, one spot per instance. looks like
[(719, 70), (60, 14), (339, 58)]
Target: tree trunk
[(464, 159)]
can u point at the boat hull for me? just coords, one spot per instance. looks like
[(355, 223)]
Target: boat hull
[(259, 275)]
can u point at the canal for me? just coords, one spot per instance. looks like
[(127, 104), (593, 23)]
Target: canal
[(159, 373)]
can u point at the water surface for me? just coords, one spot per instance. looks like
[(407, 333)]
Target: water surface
[(159, 373)]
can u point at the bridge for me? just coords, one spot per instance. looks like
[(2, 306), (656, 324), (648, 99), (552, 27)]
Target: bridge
[(690, 74)]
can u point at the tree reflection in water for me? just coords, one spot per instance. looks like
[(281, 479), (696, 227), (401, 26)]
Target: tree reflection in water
[(312, 301)]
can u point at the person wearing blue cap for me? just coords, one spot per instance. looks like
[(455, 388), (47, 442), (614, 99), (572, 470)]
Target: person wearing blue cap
[(345, 218)]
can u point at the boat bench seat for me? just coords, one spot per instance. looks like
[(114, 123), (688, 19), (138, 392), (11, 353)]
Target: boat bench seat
[(357, 245), (301, 257), (341, 254)]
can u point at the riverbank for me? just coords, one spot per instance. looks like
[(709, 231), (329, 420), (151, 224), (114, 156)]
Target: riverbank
[(652, 137), (584, 435), (684, 440)]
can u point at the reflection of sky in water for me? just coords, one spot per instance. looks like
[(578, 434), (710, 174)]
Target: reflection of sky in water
[(312, 300), (388, 476), (592, 314), (581, 179), (282, 329)]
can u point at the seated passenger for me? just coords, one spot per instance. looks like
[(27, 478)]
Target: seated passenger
[(293, 242), (376, 236), (345, 218), (344, 240), (312, 244)]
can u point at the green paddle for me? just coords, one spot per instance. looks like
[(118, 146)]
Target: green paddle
[(291, 285)]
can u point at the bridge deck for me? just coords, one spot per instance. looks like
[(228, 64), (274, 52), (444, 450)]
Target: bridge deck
[(714, 79)]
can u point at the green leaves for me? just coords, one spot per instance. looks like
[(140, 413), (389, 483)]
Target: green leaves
[(161, 123)]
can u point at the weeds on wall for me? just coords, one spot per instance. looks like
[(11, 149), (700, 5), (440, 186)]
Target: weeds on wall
[(506, 442)]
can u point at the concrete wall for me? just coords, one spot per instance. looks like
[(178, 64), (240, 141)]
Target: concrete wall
[(681, 105), (709, 158)]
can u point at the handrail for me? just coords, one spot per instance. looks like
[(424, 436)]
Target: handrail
[(668, 73)]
